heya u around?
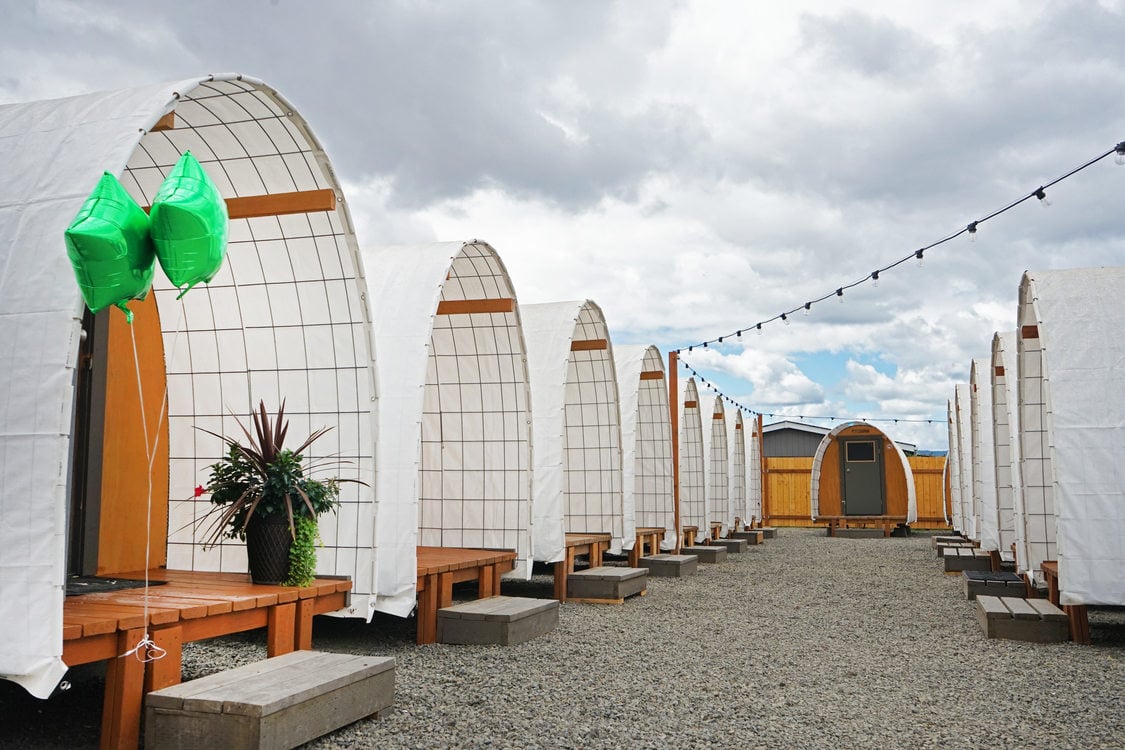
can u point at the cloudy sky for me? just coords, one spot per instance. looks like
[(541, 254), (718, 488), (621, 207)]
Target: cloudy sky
[(693, 167)]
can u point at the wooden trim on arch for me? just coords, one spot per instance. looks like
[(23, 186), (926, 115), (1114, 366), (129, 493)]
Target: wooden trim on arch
[(738, 426), (1029, 332), (589, 345), (652, 375), (279, 204), (691, 404), (471, 306), (718, 415)]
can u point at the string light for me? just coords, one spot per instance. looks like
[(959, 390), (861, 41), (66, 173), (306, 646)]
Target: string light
[(1041, 194), (971, 229), (808, 306)]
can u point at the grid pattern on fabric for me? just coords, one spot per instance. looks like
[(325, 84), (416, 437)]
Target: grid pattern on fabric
[(283, 319), (592, 435), (754, 476), (718, 464), (653, 479), (964, 460), (953, 467), (1035, 456), (475, 475), (1002, 454), (693, 503), (738, 469)]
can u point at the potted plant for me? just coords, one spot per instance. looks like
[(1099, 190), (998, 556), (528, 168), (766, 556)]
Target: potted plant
[(262, 495)]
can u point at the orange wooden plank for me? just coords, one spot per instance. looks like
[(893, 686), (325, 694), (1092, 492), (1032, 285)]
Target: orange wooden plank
[(652, 375), (166, 670), (124, 688), (1029, 332), (472, 306), (167, 122), (589, 345)]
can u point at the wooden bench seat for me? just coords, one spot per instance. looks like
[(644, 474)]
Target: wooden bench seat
[(887, 523)]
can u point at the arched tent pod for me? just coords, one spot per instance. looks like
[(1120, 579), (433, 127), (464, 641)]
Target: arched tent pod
[(716, 461), (1072, 429), (1006, 448), (646, 441), (693, 500), (961, 409), (736, 441), (576, 427), (984, 461), (754, 474), (455, 469), (283, 318), (859, 471), (953, 470)]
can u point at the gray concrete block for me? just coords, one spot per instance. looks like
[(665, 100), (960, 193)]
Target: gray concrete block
[(610, 583), (752, 536), (281, 702), (670, 566), (859, 532), (989, 583), (707, 553), (734, 546), (500, 620), (958, 559), (769, 532), (1011, 618), (945, 539)]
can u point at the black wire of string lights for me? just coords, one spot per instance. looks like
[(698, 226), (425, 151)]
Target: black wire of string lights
[(1039, 193), (772, 415)]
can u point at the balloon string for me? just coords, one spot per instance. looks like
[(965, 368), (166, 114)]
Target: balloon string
[(146, 649)]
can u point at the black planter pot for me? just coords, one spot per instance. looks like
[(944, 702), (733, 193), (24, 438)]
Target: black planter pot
[(267, 548)]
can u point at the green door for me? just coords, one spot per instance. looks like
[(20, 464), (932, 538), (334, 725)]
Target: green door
[(863, 486)]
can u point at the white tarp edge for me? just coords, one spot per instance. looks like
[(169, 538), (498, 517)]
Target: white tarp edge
[(965, 460), (1010, 496), (710, 490), (984, 459), (53, 154), (953, 470), (628, 362)]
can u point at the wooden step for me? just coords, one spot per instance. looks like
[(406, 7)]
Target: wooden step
[(1012, 618), (609, 585), (989, 583), (500, 620), (707, 553), (752, 536), (958, 559), (734, 546), (670, 566)]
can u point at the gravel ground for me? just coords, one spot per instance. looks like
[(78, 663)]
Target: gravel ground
[(803, 642)]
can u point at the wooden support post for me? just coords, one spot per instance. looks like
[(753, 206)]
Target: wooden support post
[(124, 692), (445, 591), (674, 409), (280, 630), (166, 671), (303, 625), (427, 611)]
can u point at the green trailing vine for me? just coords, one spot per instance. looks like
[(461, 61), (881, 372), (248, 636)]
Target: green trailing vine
[(302, 553)]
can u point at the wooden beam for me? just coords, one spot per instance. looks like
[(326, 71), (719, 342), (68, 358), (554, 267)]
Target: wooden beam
[(691, 404), (589, 345), (738, 426), (471, 306), (652, 375), (279, 204), (718, 415), (1029, 332), (167, 122)]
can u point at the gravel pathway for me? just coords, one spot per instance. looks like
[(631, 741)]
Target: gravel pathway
[(803, 642)]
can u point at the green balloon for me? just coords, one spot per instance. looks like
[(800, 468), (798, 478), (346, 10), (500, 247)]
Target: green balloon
[(109, 246), (189, 225)]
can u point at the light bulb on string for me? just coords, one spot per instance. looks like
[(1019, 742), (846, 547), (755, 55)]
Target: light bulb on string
[(875, 278), (1119, 157), (1042, 196), (918, 254), (972, 229), (840, 295), (808, 306), (785, 319)]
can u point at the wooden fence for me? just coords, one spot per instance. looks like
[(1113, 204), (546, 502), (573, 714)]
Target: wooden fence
[(788, 482)]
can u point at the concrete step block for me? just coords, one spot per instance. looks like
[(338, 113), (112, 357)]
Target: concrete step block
[(752, 536), (1012, 618), (500, 620), (734, 546), (670, 566), (769, 532), (706, 553), (989, 583), (606, 583), (859, 532), (958, 559)]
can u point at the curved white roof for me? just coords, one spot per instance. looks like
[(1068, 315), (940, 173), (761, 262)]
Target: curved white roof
[(646, 442), (1006, 447), (454, 396), (818, 459), (693, 498), (257, 331), (1072, 430), (576, 426), (716, 462), (736, 443), (753, 473), (953, 469), (961, 409), (984, 460)]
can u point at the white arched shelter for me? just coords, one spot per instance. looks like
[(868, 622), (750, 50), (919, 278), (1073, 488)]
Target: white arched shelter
[(576, 483), (984, 461), (736, 440), (1072, 428), (953, 470), (1006, 448), (754, 474), (964, 477), (455, 465), (716, 461), (646, 442), (693, 500), (283, 319)]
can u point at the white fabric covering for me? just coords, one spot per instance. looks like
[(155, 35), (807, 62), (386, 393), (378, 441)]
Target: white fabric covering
[(576, 427), (953, 470), (753, 473), (454, 467), (693, 501), (646, 443), (964, 477), (736, 441), (1072, 429), (818, 461), (1006, 447), (716, 464), (984, 461)]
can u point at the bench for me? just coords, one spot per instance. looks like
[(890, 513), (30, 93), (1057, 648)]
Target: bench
[(716, 529), (606, 585), (647, 536), (989, 583), (499, 620), (886, 523), (281, 702), (688, 536), (1012, 618), (670, 566)]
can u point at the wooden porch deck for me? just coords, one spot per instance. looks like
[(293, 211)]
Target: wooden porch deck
[(593, 545), (887, 523), (190, 606), (441, 567), (647, 536)]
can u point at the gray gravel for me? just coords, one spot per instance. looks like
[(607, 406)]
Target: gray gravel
[(803, 642)]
